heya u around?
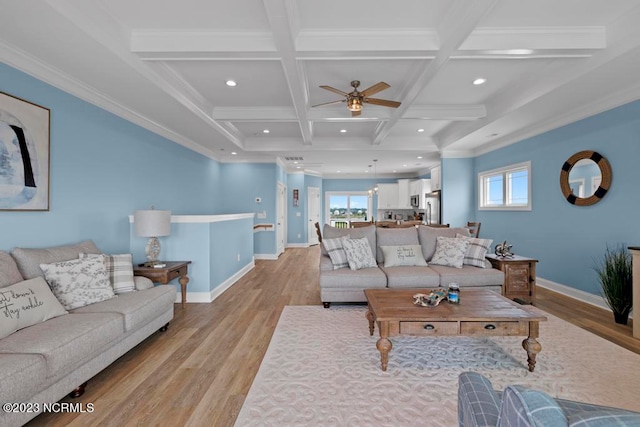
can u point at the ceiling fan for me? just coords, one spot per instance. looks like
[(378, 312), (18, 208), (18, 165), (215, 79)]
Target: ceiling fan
[(355, 99)]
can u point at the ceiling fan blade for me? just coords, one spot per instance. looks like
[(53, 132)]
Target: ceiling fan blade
[(380, 86), (329, 103), (383, 102), (334, 90), (355, 113)]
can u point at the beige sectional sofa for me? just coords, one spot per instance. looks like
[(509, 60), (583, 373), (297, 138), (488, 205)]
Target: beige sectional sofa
[(44, 362), (347, 285)]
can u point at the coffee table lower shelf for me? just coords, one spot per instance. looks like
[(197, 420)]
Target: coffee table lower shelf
[(482, 314)]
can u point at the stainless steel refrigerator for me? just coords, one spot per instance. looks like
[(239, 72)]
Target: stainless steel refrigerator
[(433, 208)]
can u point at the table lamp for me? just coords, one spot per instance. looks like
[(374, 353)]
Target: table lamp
[(152, 223)]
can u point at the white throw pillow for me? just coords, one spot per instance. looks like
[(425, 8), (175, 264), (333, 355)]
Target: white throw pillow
[(120, 271), (358, 253), (450, 252), (476, 251), (336, 252), (395, 256), (79, 282), (25, 304)]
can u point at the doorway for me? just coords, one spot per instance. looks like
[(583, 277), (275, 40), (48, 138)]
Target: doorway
[(313, 211)]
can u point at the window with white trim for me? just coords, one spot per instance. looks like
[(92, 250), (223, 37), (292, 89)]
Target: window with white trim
[(507, 188)]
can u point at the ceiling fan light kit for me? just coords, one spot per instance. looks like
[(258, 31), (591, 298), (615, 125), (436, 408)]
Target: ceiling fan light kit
[(355, 99)]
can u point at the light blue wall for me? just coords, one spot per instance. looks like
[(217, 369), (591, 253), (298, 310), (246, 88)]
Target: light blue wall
[(241, 184), (565, 238), (458, 193), (102, 168)]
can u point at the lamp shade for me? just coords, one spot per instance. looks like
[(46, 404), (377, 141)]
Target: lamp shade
[(152, 223)]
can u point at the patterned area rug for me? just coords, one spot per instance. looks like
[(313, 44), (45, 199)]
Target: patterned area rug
[(322, 369)]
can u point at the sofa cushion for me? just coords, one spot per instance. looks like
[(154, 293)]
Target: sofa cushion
[(523, 407), (9, 273), (394, 237), (345, 278), (120, 271), (330, 232), (27, 303), (476, 251), (336, 252), (610, 417), (23, 375), (411, 277), (427, 237), (79, 282), (66, 342), (469, 276), (449, 252), (136, 308), (29, 259), (396, 256), (359, 253)]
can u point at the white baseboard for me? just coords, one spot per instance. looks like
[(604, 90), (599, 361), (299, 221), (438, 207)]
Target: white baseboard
[(271, 257), (574, 293), (207, 297), (297, 245)]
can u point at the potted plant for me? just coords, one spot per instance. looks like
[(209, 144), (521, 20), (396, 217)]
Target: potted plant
[(615, 276)]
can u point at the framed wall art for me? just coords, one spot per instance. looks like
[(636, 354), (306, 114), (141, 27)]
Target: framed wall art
[(24, 155)]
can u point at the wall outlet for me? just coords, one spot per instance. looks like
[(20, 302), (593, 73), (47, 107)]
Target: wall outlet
[(238, 257), (299, 235), (262, 215)]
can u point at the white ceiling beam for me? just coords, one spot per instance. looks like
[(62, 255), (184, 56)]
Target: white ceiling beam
[(150, 41), (368, 40), (445, 112), (262, 114), (531, 87), (99, 25), (280, 16), (460, 21), (536, 38)]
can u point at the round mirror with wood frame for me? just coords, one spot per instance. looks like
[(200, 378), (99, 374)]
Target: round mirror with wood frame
[(605, 183)]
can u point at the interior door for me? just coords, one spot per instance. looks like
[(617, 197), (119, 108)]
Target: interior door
[(313, 209), (281, 213)]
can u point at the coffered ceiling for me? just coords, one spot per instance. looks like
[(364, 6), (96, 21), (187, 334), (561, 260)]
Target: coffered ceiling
[(164, 64)]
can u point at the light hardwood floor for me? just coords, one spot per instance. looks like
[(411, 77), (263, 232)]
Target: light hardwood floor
[(199, 371)]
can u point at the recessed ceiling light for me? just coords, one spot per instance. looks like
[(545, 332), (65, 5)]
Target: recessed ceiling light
[(404, 166), (295, 163), (266, 131), (233, 153), (298, 167), (479, 81), (337, 171), (343, 131), (419, 157), (231, 83), (394, 171), (420, 130)]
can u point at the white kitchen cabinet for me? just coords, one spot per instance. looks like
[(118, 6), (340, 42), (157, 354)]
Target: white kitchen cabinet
[(387, 196), (404, 196), (436, 178)]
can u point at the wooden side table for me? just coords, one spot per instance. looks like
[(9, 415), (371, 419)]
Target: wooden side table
[(164, 275), (519, 276)]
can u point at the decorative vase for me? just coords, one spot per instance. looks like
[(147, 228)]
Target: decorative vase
[(621, 318)]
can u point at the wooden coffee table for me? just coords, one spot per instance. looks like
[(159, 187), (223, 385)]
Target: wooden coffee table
[(481, 313)]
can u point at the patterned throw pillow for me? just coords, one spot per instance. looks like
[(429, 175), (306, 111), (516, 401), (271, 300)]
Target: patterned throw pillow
[(450, 252), (336, 253), (120, 271), (395, 256), (27, 303), (358, 253), (476, 251), (79, 282)]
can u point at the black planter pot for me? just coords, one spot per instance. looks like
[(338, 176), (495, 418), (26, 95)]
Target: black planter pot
[(621, 318)]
